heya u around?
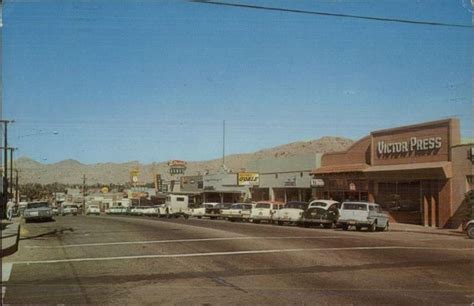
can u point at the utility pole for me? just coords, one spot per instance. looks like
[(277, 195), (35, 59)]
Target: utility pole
[(11, 170), (17, 192), (83, 194), (3, 210), (223, 143)]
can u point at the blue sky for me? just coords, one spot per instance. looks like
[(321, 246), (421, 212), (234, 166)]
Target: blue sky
[(153, 80)]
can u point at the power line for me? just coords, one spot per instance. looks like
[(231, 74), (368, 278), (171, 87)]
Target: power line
[(383, 19)]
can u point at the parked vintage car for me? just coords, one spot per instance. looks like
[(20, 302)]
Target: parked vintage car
[(161, 210), (215, 212), (264, 211), (237, 212), (93, 210), (69, 209), (468, 224), (363, 215), (150, 211), (138, 210), (38, 211), (116, 210), (200, 211), (321, 212), (292, 212)]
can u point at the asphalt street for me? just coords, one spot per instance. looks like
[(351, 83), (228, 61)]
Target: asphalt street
[(143, 260)]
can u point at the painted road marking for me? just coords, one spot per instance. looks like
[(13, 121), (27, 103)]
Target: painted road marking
[(174, 241), (6, 271), (238, 253)]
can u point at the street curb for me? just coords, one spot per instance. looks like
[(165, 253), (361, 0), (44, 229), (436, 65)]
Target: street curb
[(10, 239), (452, 233)]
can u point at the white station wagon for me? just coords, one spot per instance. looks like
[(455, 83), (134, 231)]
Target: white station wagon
[(363, 214), (264, 211)]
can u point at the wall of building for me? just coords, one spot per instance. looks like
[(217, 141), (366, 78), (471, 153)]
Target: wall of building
[(420, 143), (463, 167), (192, 183), (358, 153)]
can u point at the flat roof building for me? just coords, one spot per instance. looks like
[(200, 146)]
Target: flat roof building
[(418, 173)]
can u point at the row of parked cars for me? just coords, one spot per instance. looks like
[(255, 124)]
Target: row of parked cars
[(326, 213)]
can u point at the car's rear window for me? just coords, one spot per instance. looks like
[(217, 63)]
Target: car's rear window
[(37, 205), (263, 205), (355, 206), (321, 204)]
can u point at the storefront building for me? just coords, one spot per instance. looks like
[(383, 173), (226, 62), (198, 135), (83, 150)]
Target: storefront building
[(284, 179), (418, 173), (223, 187)]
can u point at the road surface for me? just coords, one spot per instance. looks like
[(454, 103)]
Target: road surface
[(139, 260)]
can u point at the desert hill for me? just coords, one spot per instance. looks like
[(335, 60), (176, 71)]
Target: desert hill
[(71, 171)]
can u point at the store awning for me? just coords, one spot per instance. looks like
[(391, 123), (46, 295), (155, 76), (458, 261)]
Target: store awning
[(223, 191), (340, 169), (441, 168)]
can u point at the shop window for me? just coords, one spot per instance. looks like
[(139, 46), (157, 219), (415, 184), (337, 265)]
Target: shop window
[(301, 174)]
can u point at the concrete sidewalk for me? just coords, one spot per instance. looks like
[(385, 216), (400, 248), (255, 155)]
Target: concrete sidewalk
[(402, 227), (10, 237)]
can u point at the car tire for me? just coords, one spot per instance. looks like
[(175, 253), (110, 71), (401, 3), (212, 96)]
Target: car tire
[(280, 223), (470, 231), (327, 225), (372, 227), (358, 228), (345, 227), (383, 228)]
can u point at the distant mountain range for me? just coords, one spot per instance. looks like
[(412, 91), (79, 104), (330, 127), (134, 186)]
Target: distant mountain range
[(71, 171)]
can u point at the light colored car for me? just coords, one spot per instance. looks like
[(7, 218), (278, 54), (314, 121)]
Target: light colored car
[(321, 212), (115, 210), (69, 209), (264, 211), (161, 210), (200, 211), (237, 212), (150, 211), (38, 211), (292, 212), (469, 228), (138, 210), (93, 210), (363, 215)]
